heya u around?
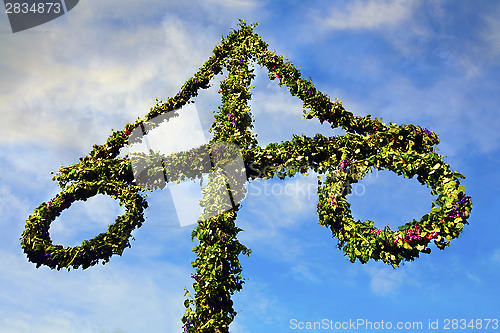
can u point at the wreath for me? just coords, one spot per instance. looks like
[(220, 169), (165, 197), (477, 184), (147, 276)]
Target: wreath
[(36, 240), (361, 240)]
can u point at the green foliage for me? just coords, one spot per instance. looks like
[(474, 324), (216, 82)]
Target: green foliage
[(369, 144)]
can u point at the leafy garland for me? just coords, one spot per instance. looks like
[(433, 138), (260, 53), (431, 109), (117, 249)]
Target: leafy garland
[(369, 144)]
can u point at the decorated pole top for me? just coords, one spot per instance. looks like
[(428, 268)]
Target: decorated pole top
[(367, 145)]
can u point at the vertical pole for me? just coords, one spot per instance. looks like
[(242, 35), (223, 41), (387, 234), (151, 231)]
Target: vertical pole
[(218, 270)]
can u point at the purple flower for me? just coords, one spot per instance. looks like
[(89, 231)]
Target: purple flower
[(425, 130), (464, 200), (48, 259), (232, 119), (188, 324), (458, 208)]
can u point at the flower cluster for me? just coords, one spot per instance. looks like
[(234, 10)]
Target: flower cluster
[(344, 164), (425, 130), (412, 234), (232, 119), (458, 210), (189, 323), (126, 133), (49, 261)]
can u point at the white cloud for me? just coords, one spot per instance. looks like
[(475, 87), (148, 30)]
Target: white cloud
[(302, 272), (447, 106), (112, 297), (14, 210), (491, 37), (447, 103), (283, 201), (88, 93), (369, 14), (385, 280), (496, 255), (278, 114), (85, 220), (257, 300), (247, 4), (11, 206), (473, 277), (266, 216), (275, 99)]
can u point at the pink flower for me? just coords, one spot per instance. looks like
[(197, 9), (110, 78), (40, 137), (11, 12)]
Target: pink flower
[(431, 235), (344, 164), (412, 234)]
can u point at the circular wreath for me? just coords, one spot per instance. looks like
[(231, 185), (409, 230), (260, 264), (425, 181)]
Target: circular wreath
[(361, 240), (36, 240)]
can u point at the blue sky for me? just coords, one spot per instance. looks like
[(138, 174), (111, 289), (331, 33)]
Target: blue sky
[(66, 84)]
